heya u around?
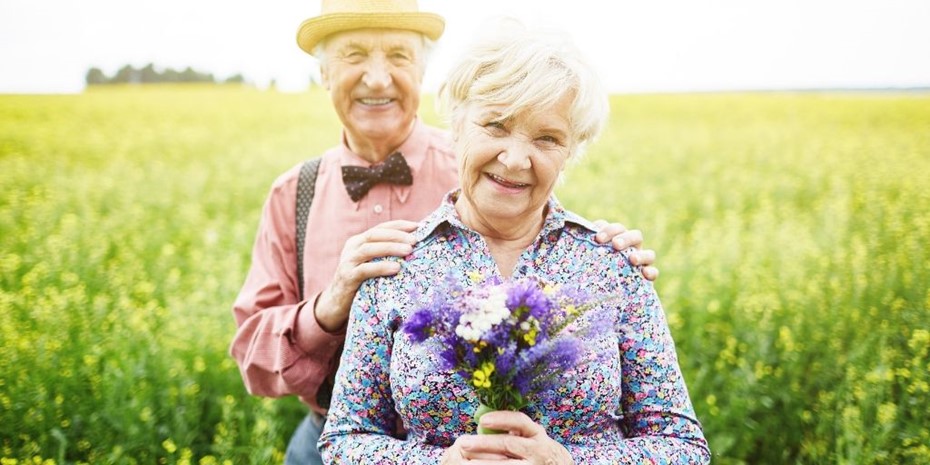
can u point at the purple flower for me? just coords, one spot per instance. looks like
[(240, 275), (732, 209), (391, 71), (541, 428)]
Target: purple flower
[(449, 357), (420, 325), (574, 295), (563, 354), (529, 294), (507, 358), (538, 366)]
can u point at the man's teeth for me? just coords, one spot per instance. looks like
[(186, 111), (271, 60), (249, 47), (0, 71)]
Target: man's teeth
[(505, 182), (376, 101)]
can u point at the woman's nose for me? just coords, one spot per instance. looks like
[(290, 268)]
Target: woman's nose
[(516, 156)]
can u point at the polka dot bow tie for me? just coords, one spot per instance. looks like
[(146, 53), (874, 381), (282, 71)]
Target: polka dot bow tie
[(360, 180)]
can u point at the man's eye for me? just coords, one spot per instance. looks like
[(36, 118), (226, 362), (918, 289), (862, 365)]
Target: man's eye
[(354, 56)]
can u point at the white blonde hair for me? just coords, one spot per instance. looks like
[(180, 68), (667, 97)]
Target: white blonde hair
[(523, 69)]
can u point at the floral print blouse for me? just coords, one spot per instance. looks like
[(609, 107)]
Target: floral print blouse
[(625, 403)]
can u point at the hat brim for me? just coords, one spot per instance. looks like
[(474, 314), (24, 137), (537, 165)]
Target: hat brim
[(313, 30)]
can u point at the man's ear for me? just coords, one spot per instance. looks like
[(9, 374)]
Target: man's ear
[(324, 76)]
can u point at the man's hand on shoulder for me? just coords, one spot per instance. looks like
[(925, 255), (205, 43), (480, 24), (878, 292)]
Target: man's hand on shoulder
[(621, 238), (389, 239)]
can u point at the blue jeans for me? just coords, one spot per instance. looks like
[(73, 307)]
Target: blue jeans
[(302, 450)]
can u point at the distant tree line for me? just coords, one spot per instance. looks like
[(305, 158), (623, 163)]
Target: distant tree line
[(149, 74)]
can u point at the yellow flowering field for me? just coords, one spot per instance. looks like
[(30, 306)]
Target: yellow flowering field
[(793, 234)]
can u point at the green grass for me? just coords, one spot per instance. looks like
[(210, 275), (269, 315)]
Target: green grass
[(792, 233)]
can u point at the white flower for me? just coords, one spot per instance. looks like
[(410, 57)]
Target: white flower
[(467, 332), (495, 306), (491, 311)]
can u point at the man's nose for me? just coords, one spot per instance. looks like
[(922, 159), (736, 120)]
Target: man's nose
[(377, 74)]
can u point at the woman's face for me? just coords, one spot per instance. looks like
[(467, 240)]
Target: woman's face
[(508, 167)]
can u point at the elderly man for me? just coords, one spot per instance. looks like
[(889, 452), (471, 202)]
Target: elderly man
[(390, 170)]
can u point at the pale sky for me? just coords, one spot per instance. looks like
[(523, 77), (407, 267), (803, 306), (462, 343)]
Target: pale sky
[(46, 46)]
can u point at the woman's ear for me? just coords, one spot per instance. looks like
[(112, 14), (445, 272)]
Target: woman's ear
[(457, 122)]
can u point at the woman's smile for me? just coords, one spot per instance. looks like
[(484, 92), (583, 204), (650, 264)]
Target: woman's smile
[(509, 185)]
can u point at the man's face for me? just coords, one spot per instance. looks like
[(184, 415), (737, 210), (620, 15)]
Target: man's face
[(374, 77)]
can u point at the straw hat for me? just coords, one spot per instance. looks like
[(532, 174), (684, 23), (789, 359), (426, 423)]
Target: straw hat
[(346, 15)]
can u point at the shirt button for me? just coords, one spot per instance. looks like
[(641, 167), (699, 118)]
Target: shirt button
[(378, 209)]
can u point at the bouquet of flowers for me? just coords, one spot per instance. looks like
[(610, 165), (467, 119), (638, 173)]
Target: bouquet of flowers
[(506, 338)]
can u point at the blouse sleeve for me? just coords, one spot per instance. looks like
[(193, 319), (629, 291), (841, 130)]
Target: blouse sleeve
[(657, 417), (361, 425)]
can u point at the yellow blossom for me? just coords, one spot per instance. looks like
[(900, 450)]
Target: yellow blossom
[(482, 376), (169, 446), (530, 336)]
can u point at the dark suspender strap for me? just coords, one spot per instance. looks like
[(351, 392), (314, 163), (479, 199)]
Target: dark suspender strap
[(306, 185)]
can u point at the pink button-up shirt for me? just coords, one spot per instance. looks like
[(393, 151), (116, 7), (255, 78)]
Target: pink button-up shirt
[(270, 360)]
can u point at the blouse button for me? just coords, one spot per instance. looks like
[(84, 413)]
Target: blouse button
[(378, 209)]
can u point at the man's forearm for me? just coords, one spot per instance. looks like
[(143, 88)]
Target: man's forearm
[(331, 309)]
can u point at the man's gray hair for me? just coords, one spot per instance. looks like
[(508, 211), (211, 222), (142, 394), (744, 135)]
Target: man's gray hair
[(319, 51)]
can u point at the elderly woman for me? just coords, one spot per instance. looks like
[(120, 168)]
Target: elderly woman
[(521, 107)]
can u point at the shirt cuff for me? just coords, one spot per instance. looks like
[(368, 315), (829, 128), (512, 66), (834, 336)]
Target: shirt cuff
[(311, 338)]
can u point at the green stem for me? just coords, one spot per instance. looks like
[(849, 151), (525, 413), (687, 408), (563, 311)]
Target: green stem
[(479, 412)]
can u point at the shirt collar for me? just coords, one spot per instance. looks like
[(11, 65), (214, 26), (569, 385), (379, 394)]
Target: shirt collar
[(556, 218), (414, 149)]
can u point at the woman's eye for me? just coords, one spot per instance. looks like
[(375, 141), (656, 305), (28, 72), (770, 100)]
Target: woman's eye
[(550, 140), (495, 125)]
